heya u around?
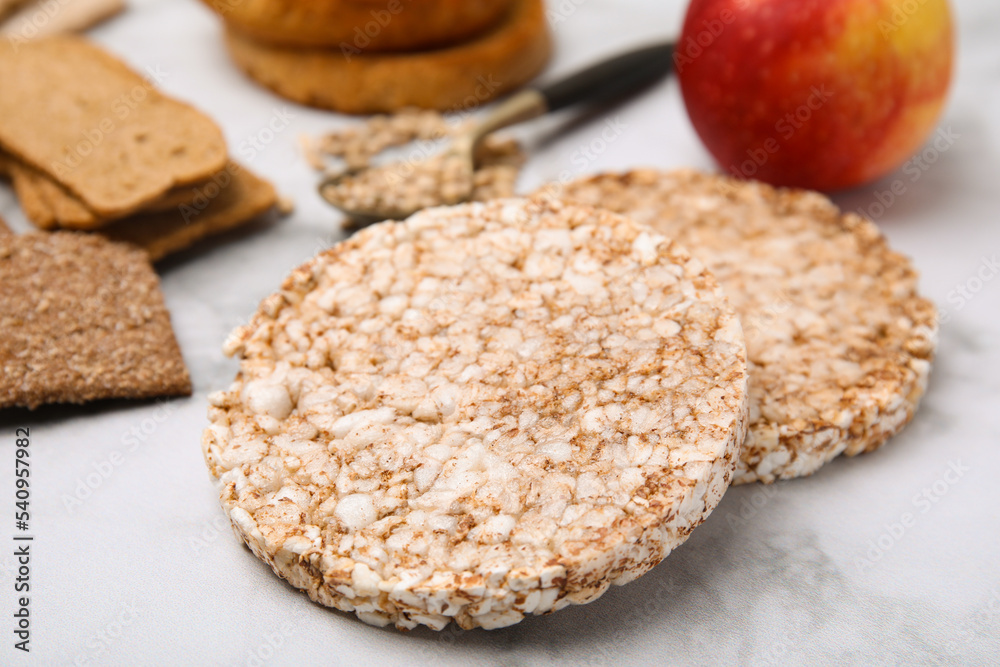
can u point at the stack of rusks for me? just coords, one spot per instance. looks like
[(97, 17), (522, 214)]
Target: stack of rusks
[(371, 56), (92, 145)]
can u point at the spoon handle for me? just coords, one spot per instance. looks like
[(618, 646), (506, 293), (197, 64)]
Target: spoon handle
[(611, 78), (605, 81)]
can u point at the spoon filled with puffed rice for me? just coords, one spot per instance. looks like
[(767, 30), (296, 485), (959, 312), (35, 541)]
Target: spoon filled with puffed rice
[(395, 191)]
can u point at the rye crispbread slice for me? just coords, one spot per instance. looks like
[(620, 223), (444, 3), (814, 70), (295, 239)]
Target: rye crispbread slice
[(482, 412), (232, 199), (839, 340), (79, 115), (48, 205), (82, 319)]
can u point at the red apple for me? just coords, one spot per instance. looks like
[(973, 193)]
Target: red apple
[(822, 94)]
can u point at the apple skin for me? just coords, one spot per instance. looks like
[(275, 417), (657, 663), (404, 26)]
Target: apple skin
[(820, 94)]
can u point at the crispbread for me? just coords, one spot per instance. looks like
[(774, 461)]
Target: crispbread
[(48, 205), (460, 76), (33, 192), (96, 127), (4, 229), (32, 199), (83, 319), (355, 26), (221, 206), (839, 341), (479, 413)]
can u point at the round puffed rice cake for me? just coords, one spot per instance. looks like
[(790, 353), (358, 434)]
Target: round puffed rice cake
[(483, 412), (840, 344)]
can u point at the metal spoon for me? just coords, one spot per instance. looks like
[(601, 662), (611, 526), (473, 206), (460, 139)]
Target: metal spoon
[(602, 82)]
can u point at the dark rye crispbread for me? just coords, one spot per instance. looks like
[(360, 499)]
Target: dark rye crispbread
[(101, 130), (464, 75), (235, 197), (83, 319)]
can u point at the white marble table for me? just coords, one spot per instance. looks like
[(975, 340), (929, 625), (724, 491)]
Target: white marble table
[(143, 570)]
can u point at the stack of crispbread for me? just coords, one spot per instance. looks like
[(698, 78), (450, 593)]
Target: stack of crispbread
[(89, 144)]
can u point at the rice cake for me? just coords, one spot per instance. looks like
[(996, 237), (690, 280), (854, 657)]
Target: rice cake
[(839, 341), (482, 412)]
